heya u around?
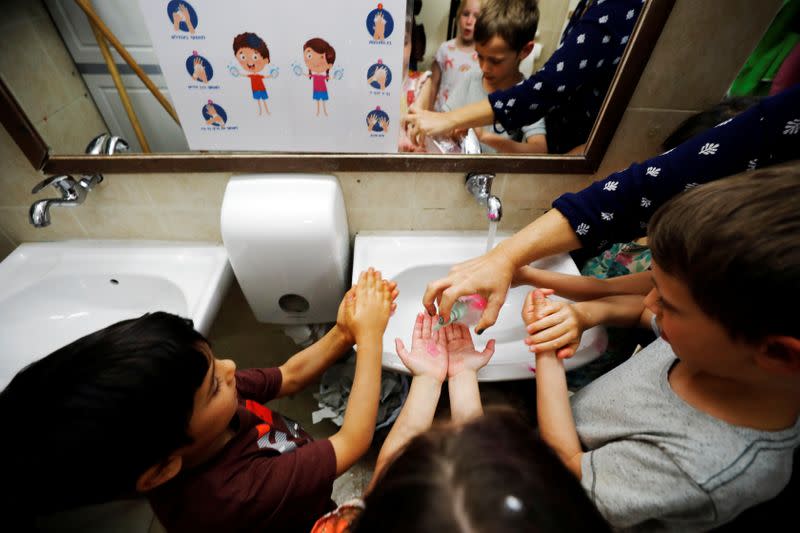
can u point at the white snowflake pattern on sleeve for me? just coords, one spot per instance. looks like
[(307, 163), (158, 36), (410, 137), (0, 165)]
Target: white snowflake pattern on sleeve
[(611, 186), (792, 127), (582, 228), (709, 149)]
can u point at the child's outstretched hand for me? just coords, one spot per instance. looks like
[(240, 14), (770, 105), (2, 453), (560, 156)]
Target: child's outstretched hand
[(367, 313), (461, 350), (428, 355), (551, 326)]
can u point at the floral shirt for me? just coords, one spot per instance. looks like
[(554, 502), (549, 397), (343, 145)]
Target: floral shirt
[(455, 64), (618, 207), (569, 89)]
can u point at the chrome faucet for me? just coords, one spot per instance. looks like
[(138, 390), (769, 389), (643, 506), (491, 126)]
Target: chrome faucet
[(73, 192), (480, 186)]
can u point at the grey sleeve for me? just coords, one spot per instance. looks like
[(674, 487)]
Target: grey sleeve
[(537, 128), (633, 482)]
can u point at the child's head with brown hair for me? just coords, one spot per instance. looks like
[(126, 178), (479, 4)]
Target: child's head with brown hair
[(727, 270), (504, 34), (251, 51), (492, 474), (466, 16), (318, 55)]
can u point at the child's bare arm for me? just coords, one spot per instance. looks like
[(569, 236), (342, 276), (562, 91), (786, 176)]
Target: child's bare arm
[(427, 361), (308, 365), (556, 424), (462, 372), (366, 316), (535, 144), (563, 324), (583, 287)]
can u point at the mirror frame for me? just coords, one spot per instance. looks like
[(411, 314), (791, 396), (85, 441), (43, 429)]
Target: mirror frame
[(645, 35)]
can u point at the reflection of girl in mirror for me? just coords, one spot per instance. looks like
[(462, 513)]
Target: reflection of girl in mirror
[(567, 91), (182, 15), (457, 57), (214, 114), (319, 57)]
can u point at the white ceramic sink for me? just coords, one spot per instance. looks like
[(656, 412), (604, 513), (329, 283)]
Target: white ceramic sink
[(413, 259), (53, 293)]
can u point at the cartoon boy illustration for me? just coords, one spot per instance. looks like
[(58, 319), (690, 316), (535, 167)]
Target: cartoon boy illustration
[(253, 55), (319, 57)]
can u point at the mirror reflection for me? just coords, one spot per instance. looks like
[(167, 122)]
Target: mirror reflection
[(526, 77)]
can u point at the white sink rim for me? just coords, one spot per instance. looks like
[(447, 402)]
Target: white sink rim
[(393, 253), (199, 270)]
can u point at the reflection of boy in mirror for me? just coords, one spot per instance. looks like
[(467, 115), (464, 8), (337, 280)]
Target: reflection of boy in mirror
[(568, 90), (504, 35), (456, 57), (319, 57), (253, 55)]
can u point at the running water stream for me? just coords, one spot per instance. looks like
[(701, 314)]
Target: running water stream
[(490, 236)]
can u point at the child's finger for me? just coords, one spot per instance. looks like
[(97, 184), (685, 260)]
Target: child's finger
[(392, 309), (417, 333), (448, 332), (551, 345), (489, 350), (543, 323), (400, 348), (426, 327), (553, 333), (567, 352)]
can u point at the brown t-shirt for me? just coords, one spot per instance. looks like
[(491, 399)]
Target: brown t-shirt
[(270, 477)]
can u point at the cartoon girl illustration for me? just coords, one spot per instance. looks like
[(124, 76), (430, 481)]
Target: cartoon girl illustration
[(378, 120), (182, 16), (214, 114), (319, 57), (380, 24), (253, 55), (199, 67)]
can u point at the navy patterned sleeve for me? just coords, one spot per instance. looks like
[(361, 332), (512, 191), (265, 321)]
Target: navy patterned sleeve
[(590, 49), (618, 207)]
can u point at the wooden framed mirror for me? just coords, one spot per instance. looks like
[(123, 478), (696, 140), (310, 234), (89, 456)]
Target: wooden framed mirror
[(647, 30)]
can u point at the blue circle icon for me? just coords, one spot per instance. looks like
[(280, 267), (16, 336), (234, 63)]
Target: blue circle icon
[(199, 68), (379, 76), (380, 23), (214, 115), (182, 15), (378, 120)]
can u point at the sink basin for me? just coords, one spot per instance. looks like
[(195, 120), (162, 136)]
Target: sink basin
[(413, 259), (53, 293)]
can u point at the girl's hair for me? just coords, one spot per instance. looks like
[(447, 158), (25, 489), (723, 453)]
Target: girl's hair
[(91, 417), (493, 474), (705, 120), (321, 46)]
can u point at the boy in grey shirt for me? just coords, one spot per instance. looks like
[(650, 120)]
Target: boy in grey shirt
[(701, 424)]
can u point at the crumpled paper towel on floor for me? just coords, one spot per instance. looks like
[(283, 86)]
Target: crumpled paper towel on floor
[(334, 390)]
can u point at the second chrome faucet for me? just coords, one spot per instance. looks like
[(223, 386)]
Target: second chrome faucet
[(480, 186)]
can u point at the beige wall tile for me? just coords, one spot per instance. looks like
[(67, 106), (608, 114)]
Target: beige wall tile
[(700, 51), (453, 218), (378, 218), (15, 223), (191, 224), (371, 190), (440, 190), (639, 137), (17, 176), (515, 219), (525, 191), (101, 222), (188, 190), (7, 245), (69, 129)]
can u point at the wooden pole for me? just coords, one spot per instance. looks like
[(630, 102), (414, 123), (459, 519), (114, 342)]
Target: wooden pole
[(97, 22), (123, 93)]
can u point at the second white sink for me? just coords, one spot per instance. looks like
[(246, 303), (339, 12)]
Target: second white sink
[(413, 259)]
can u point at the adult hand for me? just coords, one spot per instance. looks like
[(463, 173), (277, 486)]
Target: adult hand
[(461, 350), (488, 275), (428, 355)]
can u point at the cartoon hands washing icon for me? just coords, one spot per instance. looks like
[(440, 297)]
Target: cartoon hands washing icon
[(214, 115), (199, 67), (380, 24), (182, 15), (378, 121), (379, 76)]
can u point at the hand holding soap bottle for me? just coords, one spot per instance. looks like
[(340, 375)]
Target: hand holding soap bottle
[(466, 310)]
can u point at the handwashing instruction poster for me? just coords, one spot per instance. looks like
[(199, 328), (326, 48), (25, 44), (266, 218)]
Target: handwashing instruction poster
[(305, 75)]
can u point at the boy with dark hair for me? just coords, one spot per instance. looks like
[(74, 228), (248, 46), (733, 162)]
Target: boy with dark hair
[(144, 406), (702, 423), (253, 55), (504, 33)]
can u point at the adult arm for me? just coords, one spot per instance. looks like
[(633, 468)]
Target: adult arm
[(618, 207)]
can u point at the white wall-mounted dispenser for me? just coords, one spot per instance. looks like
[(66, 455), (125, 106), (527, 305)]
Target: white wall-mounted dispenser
[(289, 245)]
